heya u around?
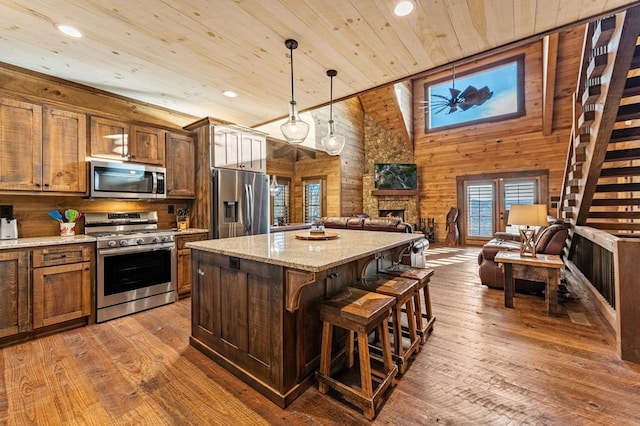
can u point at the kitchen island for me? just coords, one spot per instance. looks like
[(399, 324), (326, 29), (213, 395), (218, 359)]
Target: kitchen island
[(255, 301)]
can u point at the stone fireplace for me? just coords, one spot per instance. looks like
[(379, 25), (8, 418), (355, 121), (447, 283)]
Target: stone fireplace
[(404, 206), (392, 213)]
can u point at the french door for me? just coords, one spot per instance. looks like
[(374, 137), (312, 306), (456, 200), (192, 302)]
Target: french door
[(486, 201)]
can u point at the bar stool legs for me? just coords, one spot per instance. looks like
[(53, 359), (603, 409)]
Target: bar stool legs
[(360, 312), (403, 291), (423, 312)]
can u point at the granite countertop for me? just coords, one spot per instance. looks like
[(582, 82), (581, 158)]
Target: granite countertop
[(284, 249), (76, 239), (45, 241), (191, 231)]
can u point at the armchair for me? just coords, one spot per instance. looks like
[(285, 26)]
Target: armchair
[(550, 240)]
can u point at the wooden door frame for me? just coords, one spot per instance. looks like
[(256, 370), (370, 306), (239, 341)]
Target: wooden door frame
[(543, 193)]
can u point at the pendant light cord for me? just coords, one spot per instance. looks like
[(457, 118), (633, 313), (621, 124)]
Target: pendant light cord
[(331, 74), (331, 103), (291, 54)]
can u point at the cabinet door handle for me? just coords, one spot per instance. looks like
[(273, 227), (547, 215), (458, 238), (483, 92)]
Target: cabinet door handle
[(200, 272)]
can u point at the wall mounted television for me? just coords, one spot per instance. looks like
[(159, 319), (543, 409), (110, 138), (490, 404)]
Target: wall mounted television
[(395, 176)]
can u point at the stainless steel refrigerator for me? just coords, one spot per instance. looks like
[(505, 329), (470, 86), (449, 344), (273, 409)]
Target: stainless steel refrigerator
[(240, 203)]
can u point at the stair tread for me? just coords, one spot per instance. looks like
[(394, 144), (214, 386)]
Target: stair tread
[(622, 154), (614, 202), (618, 187), (620, 171), (632, 87), (626, 134), (615, 215), (628, 112)]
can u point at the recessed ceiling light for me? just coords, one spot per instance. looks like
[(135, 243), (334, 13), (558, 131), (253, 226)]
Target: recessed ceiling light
[(229, 93), (404, 8), (70, 31)]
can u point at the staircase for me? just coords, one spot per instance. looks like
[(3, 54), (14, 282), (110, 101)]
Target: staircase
[(603, 180), (601, 192)]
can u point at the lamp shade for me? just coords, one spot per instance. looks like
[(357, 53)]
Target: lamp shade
[(528, 215)]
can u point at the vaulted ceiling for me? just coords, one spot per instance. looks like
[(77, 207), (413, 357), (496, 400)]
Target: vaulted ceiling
[(181, 54)]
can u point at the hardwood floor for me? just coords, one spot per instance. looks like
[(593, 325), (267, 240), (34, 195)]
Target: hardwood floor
[(483, 364)]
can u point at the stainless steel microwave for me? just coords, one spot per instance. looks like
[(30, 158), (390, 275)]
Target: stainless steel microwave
[(126, 180)]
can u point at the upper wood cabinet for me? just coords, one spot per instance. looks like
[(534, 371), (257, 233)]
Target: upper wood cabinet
[(41, 148), (181, 177), (129, 142), (20, 145), (147, 145), (236, 149), (64, 146)]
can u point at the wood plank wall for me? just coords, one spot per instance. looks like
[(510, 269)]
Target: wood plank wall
[(444, 155)]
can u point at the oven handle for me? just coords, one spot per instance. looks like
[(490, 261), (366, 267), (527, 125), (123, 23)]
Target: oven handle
[(133, 249)]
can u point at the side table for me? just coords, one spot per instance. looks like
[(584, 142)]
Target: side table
[(544, 267)]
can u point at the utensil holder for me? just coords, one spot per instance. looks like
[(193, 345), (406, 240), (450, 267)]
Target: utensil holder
[(67, 229)]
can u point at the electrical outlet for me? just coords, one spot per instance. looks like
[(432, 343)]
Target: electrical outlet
[(171, 208)]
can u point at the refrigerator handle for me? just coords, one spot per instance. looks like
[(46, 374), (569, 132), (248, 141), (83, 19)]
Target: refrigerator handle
[(248, 210)]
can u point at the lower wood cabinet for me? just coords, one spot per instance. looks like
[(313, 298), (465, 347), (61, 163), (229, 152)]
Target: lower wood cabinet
[(184, 276), (62, 278), (14, 292)]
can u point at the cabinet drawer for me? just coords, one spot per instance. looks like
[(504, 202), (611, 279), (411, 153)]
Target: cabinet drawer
[(61, 255), (182, 240)]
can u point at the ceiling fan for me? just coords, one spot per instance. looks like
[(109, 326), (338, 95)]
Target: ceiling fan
[(459, 100)]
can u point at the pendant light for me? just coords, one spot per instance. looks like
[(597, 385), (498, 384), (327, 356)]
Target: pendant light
[(274, 188), (332, 143), (294, 129)]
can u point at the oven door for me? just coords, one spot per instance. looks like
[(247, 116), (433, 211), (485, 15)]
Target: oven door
[(135, 278)]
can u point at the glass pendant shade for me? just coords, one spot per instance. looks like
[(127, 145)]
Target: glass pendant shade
[(294, 129), (274, 188), (332, 143)]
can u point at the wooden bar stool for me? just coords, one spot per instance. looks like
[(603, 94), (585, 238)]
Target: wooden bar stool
[(424, 313), (403, 290), (360, 312)]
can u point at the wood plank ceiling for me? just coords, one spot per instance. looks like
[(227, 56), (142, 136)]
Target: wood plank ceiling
[(181, 54)]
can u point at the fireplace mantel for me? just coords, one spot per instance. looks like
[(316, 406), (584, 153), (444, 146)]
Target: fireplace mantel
[(394, 192)]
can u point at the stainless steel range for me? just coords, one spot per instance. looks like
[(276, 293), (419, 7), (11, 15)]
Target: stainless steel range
[(136, 266)]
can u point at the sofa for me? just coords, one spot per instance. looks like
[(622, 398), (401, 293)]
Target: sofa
[(387, 224), (549, 240)]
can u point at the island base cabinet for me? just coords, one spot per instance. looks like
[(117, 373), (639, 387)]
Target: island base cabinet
[(240, 320)]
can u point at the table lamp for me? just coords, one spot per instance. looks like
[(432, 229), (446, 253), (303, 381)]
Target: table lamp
[(528, 215)]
